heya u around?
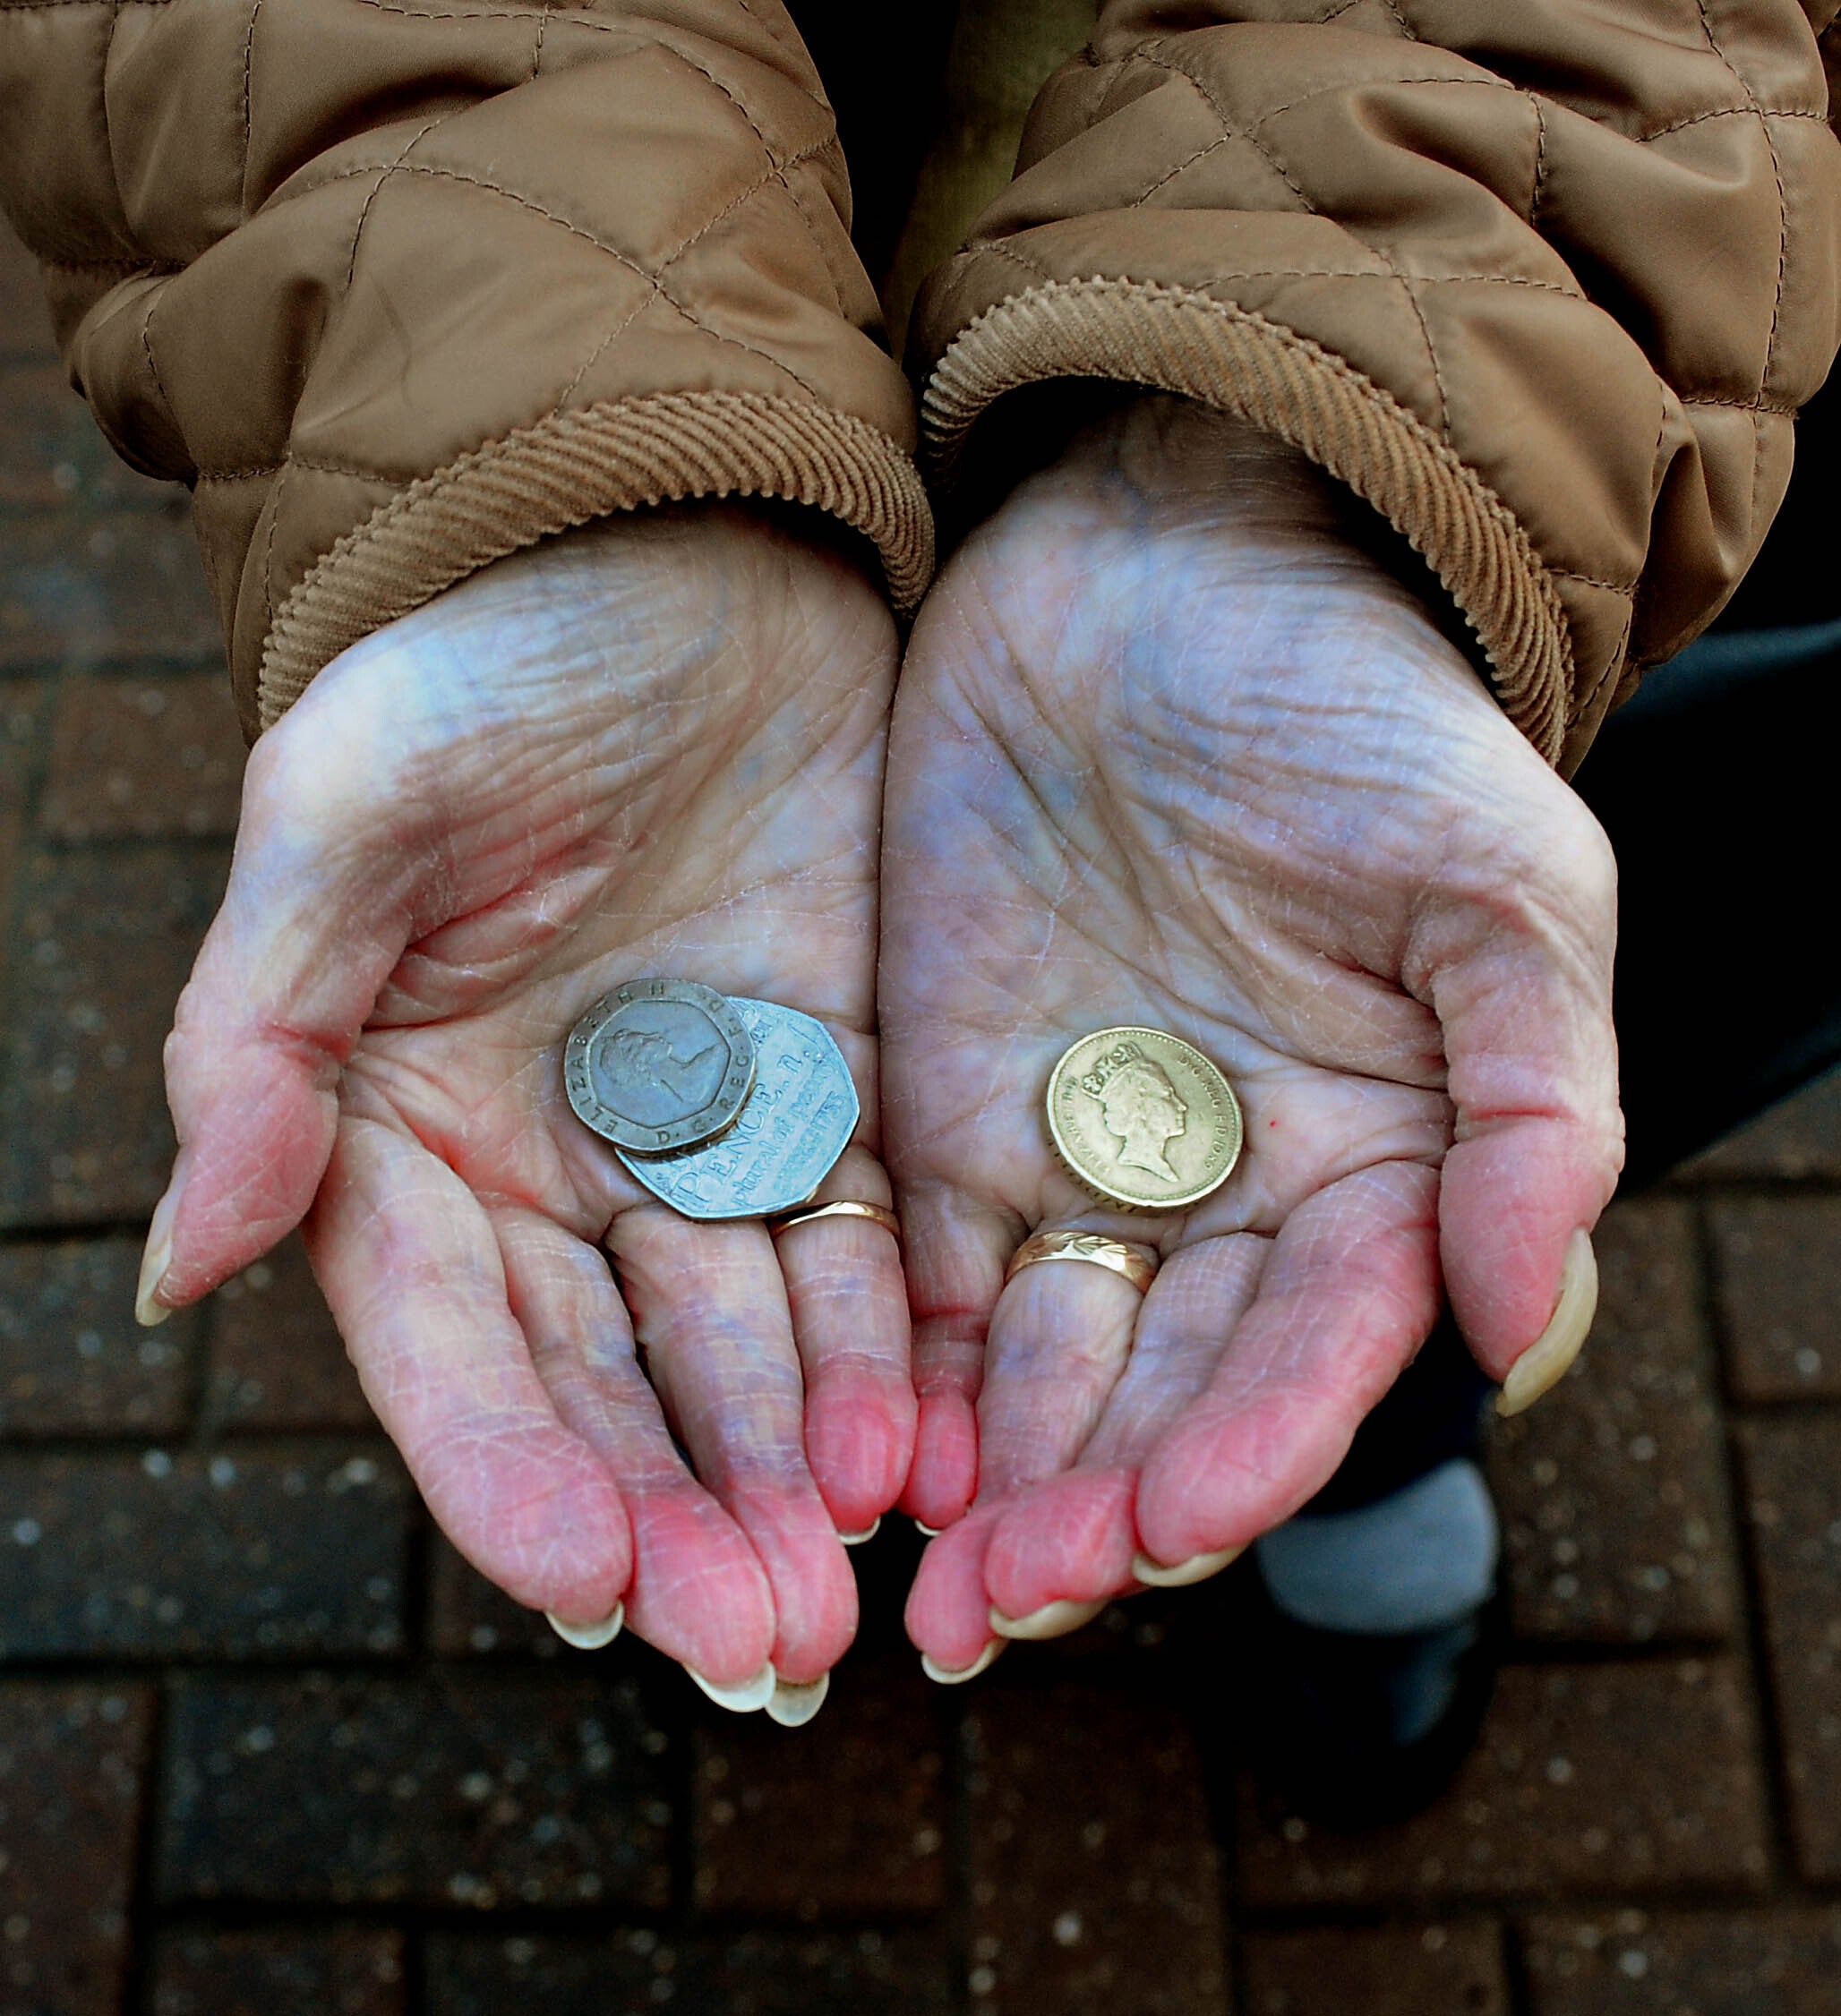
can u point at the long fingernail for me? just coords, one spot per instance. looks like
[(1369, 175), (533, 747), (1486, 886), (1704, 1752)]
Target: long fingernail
[(869, 1533), (1198, 1567), (956, 1676), (1052, 1620), (156, 1259), (743, 1699), (1546, 1361), (792, 1705), (590, 1638)]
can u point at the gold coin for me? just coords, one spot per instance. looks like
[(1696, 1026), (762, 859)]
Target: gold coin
[(1143, 1119)]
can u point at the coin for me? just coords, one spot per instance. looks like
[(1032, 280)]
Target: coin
[(659, 1064), (798, 1120), (1143, 1119)]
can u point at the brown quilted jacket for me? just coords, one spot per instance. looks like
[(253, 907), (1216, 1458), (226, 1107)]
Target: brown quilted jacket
[(400, 287)]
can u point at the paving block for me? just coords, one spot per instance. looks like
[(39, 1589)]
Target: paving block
[(1445, 1969), (843, 1818), (73, 1359), (80, 587), (1784, 1962), (1793, 1476), (277, 1360), (298, 1971), (244, 1554), (473, 1790), (1627, 1779), (103, 942), (1777, 1276), (1094, 1880), (1799, 1137), (144, 757), (1613, 1490), (72, 1759), (638, 1973), (25, 713), (470, 1618), (52, 452)]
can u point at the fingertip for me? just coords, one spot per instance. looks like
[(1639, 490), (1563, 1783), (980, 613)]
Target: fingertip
[(1549, 1358), (948, 1611), (698, 1593), (813, 1586), (860, 1443), (150, 1309), (1068, 1538), (565, 1549), (943, 1480), (1222, 1478), (250, 1168)]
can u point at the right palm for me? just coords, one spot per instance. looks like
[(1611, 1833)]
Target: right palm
[(655, 747)]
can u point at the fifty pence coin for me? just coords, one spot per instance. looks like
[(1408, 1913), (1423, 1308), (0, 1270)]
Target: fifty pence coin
[(798, 1120), (658, 1066), (1144, 1119)]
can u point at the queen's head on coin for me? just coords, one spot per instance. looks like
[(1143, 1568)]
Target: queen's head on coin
[(1140, 1107), (631, 1061)]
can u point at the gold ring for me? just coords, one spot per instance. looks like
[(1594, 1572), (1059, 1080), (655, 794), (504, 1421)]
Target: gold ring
[(1111, 1253), (844, 1208)]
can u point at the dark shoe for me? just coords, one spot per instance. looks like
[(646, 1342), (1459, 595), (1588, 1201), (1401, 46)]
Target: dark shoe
[(1354, 1729)]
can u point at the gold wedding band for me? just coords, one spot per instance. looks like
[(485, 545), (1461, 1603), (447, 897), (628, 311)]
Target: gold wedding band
[(844, 1208), (1111, 1253)]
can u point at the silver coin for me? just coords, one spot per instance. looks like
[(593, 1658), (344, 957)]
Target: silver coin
[(798, 1119), (658, 1066)]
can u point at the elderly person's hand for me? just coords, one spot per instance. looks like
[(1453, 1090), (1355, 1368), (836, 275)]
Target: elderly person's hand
[(654, 747), (1170, 751)]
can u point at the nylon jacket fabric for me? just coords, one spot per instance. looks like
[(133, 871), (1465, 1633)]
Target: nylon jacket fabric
[(1545, 283), (400, 285)]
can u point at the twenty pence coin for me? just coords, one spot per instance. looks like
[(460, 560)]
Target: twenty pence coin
[(798, 1120), (1144, 1119), (659, 1066)]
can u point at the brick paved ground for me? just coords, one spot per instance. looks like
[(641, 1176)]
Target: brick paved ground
[(267, 1745)]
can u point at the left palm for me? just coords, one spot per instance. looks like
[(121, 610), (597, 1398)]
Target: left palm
[(1169, 751)]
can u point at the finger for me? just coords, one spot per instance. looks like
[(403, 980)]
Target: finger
[(411, 1267), (955, 1251), (948, 1612), (1074, 1538), (312, 923), (709, 1307), (1057, 1342), (1533, 1074), (1060, 1338), (697, 1591), (849, 1304), (1349, 1294)]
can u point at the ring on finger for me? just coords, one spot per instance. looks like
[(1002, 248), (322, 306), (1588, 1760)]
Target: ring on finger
[(1129, 1262), (842, 1208)]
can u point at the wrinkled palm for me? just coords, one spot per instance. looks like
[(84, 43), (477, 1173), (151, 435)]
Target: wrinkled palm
[(1168, 749), (654, 746)]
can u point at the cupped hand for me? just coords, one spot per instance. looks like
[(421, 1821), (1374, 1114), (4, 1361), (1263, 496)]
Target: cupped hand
[(1169, 749), (653, 747)]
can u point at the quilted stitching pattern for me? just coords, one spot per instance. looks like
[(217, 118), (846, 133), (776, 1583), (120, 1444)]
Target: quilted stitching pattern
[(447, 227), (1596, 262)]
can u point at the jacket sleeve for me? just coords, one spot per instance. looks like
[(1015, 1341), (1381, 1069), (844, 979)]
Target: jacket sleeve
[(1545, 283), (399, 288)]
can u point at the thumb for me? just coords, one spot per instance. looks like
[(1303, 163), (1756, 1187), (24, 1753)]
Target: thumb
[(318, 909), (1524, 998)]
